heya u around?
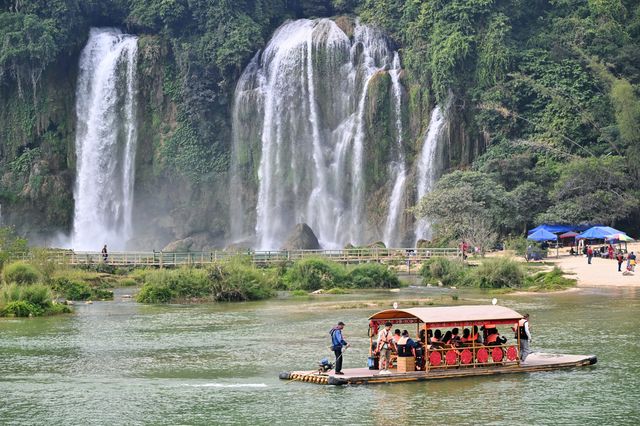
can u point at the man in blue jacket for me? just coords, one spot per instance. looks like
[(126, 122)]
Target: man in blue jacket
[(337, 342)]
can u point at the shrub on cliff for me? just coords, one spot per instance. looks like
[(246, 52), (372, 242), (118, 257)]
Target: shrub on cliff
[(20, 273)]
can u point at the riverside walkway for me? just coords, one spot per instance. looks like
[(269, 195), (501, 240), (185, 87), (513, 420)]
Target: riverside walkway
[(162, 259)]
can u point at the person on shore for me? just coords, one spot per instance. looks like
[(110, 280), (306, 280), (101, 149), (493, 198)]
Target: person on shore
[(610, 251), (620, 259), (589, 254), (105, 254), (522, 328), (385, 346), (337, 342), (631, 262)]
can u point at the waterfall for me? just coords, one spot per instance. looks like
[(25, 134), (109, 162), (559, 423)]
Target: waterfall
[(398, 168), (428, 168), (300, 108), (105, 140)]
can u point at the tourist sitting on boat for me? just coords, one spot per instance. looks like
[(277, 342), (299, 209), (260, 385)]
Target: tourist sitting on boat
[(406, 346), (494, 338), (476, 337), (446, 340), (436, 340), (455, 337), (466, 336), (396, 335), (423, 336)]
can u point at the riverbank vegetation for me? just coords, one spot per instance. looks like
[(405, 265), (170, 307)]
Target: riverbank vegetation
[(493, 273), (239, 280)]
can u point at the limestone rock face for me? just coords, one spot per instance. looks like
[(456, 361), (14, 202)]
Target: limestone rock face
[(302, 238), (195, 242)]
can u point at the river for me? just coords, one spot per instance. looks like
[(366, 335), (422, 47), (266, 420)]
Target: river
[(125, 363)]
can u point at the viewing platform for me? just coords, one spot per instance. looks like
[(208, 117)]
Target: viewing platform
[(160, 259)]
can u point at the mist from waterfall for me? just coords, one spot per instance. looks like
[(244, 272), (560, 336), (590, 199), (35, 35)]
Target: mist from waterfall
[(302, 102), (105, 140), (398, 168), (428, 167)]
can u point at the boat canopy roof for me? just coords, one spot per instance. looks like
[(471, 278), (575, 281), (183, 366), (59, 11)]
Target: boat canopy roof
[(449, 315)]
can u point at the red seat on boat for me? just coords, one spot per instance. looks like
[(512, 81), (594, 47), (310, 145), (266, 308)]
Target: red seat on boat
[(451, 357), (512, 353), (497, 354), (482, 355), (435, 358), (466, 356)]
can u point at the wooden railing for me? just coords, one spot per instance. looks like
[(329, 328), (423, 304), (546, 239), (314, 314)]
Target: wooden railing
[(171, 259), (472, 356)]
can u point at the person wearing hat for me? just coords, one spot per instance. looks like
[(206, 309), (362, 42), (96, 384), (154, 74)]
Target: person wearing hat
[(337, 342)]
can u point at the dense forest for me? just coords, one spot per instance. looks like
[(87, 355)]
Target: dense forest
[(549, 87)]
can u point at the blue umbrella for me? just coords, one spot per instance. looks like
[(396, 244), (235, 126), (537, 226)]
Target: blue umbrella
[(598, 233), (542, 235)]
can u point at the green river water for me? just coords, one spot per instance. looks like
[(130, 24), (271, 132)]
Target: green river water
[(125, 363)]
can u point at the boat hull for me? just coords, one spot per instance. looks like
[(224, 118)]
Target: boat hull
[(361, 376)]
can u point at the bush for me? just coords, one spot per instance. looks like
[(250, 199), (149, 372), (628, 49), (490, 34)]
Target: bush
[(498, 273), (225, 282), (552, 280), (72, 289), (314, 274), (372, 275), (20, 273), (441, 269), (38, 295), (21, 308), (299, 293), (23, 301)]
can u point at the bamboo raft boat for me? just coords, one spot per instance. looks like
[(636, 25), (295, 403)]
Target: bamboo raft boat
[(441, 363)]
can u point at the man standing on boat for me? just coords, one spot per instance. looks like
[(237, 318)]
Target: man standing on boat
[(385, 345), (522, 329), (337, 342)]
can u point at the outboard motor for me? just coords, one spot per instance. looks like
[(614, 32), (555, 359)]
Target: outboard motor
[(324, 365)]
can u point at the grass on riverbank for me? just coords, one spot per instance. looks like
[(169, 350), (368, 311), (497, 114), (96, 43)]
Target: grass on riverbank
[(493, 273)]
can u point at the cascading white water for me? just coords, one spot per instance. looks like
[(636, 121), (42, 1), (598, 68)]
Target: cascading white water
[(398, 168), (105, 140), (428, 168), (304, 99)]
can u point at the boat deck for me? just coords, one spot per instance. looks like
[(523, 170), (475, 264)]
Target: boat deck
[(534, 362)]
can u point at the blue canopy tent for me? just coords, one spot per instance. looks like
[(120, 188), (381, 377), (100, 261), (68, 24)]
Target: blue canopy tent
[(559, 229), (598, 233), (543, 235)]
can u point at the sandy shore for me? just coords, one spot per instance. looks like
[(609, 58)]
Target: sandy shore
[(601, 272)]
